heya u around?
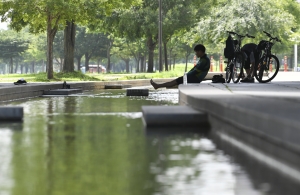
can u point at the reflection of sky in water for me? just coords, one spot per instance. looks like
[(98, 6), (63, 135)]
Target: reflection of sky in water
[(6, 181), (129, 115)]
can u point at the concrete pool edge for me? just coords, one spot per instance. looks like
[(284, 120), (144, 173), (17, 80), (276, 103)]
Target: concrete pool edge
[(11, 92), (276, 134)]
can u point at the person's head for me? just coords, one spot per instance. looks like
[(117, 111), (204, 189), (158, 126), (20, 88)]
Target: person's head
[(199, 50)]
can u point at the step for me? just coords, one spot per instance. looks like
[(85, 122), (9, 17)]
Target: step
[(11, 113), (116, 86), (137, 92), (62, 91), (173, 116)]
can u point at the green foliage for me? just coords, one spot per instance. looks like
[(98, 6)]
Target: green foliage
[(78, 76), (252, 17), (12, 44), (42, 77)]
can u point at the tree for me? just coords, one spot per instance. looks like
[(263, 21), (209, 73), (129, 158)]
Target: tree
[(253, 18), (50, 15), (12, 45), (142, 21), (36, 51)]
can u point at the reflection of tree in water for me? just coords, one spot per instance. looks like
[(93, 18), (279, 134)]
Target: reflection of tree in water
[(92, 154), (61, 129)]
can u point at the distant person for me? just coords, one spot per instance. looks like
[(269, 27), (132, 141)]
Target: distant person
[(250, 56), (195, 75)]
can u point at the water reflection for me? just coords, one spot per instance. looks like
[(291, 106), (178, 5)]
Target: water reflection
[(96, 144), (189, 164)]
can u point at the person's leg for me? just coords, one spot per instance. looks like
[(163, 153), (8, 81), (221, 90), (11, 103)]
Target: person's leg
[(247, 67), (249, 78), (167, 84), (252, 61)]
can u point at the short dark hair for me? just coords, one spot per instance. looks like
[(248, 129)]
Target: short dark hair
[(199, 47)]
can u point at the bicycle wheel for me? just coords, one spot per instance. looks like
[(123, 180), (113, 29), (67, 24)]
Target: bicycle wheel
[(228, 70), (267, 69), (237, 69)]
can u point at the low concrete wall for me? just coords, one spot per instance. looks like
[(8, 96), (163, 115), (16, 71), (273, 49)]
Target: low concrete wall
[(10, 92)]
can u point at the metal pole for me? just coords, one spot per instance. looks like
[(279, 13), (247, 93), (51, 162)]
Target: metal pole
[(295, 57), (160, 36)]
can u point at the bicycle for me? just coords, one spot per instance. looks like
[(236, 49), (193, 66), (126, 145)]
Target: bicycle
[(234, 67), (268, 65)]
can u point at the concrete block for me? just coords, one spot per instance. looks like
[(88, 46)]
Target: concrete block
[(137, 92), (62, 91), (9, 113), (113, 86), (127, 86), (184, 116)]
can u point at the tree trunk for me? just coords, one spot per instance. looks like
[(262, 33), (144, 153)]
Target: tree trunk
[(98, 65), (50, 37), (137, 65), (174, 60), (11, 67), (87, 61), (170, 59), (17, 65), (78, 63), (32, 66), (166, 56), (21, 68), (143, 64), (127, 64), (26, 68), (151, 46), (108, 69), (69, 45)]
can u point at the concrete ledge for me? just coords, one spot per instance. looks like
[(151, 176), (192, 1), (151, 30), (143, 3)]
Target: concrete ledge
[(256, 119), (10, 92), (178, 116), (11, 113), (62, 91), (116, 86), (137, 92)]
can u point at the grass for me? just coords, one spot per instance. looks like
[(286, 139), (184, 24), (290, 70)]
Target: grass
[(78, 76)]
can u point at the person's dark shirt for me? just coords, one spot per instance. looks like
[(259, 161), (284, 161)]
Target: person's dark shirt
[(201, 69)]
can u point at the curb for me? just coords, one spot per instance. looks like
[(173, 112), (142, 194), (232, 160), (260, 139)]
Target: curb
[(14, 92)]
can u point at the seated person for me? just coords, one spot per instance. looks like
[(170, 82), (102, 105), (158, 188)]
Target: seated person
[(250, 55), (195, 75)]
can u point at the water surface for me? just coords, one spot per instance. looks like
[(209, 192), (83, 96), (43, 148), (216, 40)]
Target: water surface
[(95, 143)]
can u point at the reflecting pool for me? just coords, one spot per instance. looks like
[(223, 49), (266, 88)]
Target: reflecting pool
[(95, 144)]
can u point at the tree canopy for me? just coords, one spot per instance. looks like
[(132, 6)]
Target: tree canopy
[(128, 29)]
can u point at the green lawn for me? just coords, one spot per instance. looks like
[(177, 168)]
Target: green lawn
[(78, 76)]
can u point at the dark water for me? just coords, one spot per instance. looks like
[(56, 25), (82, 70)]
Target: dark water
[(95, 144)]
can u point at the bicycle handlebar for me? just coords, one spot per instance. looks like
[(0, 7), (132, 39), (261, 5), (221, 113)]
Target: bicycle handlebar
[(272, 38), (250, 36), (241, 36)]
